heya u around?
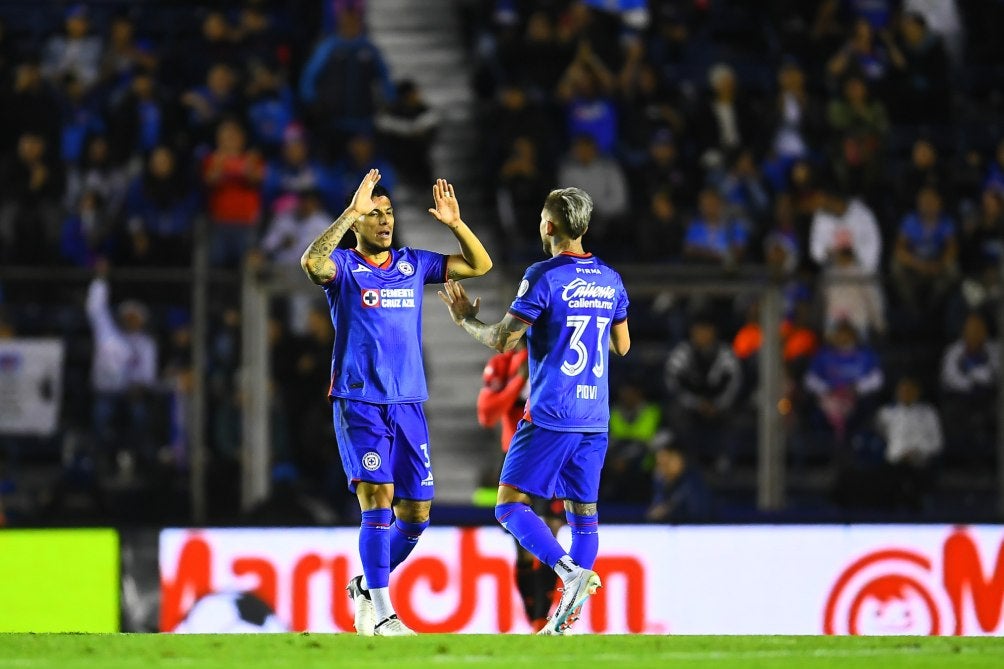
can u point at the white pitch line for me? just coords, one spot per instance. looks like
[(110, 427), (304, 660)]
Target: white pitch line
[(707, 655)]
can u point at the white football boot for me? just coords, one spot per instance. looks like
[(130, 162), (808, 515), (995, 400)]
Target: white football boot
[(392, 626), (365, 617), (573, 596)]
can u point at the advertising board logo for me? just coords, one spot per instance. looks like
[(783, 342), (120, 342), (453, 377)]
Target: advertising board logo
[(463, 582), (885, 592), (898, 591)]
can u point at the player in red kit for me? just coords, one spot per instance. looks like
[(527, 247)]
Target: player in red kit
[(501, 401)]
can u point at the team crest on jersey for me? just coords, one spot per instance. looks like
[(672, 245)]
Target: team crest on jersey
[(371, 461), (371, 297), (405, 267)]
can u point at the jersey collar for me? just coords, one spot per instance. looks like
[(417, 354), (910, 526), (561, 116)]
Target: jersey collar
[(384, 265)]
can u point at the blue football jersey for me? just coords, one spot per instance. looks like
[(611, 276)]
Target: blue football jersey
[(570, 302), (377, 314)]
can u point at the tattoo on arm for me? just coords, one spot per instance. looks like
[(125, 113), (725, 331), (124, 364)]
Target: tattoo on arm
[(499, 336), (316, 260)]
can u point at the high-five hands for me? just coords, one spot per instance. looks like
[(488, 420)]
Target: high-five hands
[(460, 306)]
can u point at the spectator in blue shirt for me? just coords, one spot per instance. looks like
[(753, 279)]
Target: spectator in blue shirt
[(85, 234), (345, 81), (713, 237), (160, 206), (295, 170), (270, 107), (360, 156), (862, 55), (209, 103), (743, 188), (923, 266), (843, 378), (80, 119), (141, 117), (679, 493), (586, 89)]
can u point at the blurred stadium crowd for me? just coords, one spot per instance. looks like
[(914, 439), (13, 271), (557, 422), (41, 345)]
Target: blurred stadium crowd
[(853, 148)]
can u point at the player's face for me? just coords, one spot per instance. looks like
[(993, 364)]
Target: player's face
[(545, 218), (376, 229)]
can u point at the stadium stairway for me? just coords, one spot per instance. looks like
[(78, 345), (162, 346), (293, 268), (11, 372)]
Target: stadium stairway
[(421, 41)]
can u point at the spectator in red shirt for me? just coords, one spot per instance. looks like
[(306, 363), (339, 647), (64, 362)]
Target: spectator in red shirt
[(504, 393), (232, 175)]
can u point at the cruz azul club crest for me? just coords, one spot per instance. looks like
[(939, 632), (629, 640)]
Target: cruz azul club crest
[(371, 297)]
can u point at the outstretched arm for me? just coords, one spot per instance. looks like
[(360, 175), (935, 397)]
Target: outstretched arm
[(473, 259), (502, 336), (316, 260)]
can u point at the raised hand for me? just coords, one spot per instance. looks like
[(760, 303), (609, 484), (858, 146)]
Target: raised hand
[(447, 210), (362, 201), (460, 306)]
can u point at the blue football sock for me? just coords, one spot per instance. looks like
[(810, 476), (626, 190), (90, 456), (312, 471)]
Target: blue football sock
[(403, 539), (374, 547), (531, 531), (585, 538)]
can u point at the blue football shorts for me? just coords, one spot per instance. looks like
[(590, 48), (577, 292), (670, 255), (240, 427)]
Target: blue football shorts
[(547, 463), (385, 443)]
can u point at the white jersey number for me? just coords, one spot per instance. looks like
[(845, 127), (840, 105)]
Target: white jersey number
[(579, 324)]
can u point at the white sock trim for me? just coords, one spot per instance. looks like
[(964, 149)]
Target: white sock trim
[(566, 569)]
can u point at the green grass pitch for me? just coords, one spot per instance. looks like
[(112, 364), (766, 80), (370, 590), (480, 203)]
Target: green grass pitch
[(305, 651)]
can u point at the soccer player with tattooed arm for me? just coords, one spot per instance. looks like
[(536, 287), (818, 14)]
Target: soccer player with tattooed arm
[(572, 308), (378, 381)]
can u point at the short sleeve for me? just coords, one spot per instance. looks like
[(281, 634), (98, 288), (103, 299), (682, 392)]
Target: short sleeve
[(431, 265), (621, 306), (338, 257), (532, 296)]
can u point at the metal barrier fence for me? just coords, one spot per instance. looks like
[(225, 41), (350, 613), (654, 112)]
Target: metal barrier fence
[(259, 284), (641, 281)]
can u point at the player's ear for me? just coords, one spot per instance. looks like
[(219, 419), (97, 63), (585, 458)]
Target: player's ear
[(550, 228)]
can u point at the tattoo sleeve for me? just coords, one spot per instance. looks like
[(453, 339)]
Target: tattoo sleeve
[(501, 336), (316, 260)]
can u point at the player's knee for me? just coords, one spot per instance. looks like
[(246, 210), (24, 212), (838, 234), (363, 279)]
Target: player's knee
[(413, 511), (375, 495), (504, 510)]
